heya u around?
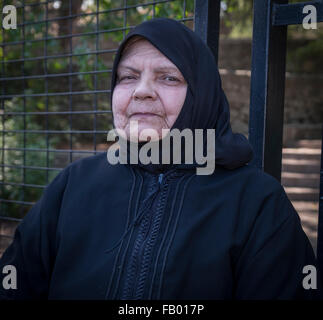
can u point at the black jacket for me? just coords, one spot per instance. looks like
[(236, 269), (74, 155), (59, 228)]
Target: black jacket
[(104, 231)]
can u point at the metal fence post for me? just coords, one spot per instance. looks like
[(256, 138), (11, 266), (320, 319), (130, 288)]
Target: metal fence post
[(207, 23), (267, 89)]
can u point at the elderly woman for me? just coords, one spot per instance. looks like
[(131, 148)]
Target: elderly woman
[(160, 230)]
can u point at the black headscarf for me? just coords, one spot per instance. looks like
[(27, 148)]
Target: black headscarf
[(205, 106)]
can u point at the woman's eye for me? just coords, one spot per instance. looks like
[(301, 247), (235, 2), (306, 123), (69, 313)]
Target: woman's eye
[(171, 79), (127, 78)]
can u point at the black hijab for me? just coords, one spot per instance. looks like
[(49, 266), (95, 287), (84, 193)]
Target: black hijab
[(205, 106)]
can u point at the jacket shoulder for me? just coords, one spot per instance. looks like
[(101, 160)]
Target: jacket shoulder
[(248, 178)]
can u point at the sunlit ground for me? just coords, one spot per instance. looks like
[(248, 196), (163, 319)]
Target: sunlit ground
[(301, 180)]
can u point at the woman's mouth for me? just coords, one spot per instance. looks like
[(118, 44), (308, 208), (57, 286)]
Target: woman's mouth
[(143, 115)]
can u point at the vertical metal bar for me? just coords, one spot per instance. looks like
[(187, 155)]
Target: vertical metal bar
[(207, 23), (267, 89), (24, 104), (46, 91), (70, 78), (96, 74), (319, 248), (3, 92), (124, 18)]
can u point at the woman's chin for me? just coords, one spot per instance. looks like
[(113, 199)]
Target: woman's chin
[(145, 135)]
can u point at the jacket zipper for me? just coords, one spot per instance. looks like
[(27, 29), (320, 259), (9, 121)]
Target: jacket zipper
[(145, 243), (134, 284), (133, 269), (160, 178)]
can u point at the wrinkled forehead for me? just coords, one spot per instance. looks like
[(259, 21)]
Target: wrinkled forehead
[(141, 48), (132, 44), (140, 43), (140, 54)]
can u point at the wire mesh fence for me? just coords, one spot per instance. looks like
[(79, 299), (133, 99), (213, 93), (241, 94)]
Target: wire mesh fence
[(55, 78)]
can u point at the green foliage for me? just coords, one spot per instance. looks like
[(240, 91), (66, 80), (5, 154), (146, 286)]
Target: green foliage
[(14, 173), (237, 17), (307, 57)]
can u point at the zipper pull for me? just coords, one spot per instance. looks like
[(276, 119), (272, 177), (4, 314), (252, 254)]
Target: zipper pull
[(160, 178)]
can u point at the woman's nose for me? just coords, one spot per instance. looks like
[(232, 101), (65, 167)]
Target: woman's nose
[(145, 90)]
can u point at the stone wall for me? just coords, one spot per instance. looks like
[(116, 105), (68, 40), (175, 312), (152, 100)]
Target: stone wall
[(303, 113)]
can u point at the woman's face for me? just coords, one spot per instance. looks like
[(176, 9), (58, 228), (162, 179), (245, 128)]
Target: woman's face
[(150, 90)]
